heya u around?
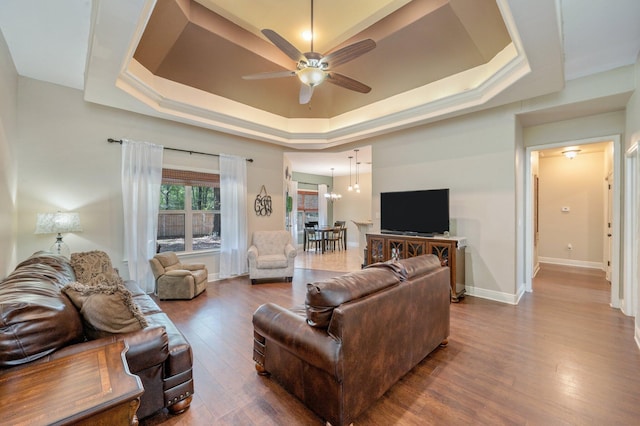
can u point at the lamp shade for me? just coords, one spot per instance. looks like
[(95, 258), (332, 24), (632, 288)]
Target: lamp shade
[(55, 223)]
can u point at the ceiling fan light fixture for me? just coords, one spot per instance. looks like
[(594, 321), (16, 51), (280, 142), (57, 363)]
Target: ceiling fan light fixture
[(313, 68), (311, 76)]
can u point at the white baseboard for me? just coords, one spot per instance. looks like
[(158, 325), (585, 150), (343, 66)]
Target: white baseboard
[(216, 276), (572, 262), (511, 299), (637, 336), (536, 269)]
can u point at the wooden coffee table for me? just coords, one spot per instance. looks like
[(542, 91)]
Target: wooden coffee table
[(92, 387)]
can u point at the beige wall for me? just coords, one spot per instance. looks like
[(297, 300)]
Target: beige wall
[(8, 169), (66, 164), (353, 205), (577, 184), (473, 156)]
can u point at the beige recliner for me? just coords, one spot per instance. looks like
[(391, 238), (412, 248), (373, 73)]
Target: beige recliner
[(175, 280), (271, 255)]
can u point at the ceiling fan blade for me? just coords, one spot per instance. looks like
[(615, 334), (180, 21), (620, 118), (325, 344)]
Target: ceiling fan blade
[(263, 75), (347, 82), (305, 94), (289, 49), (348, 53)]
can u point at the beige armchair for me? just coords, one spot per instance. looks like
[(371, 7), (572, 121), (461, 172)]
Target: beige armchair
[(175, 280), (271, 255)]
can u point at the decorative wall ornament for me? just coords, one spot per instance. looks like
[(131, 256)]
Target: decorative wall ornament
[(262, 205)]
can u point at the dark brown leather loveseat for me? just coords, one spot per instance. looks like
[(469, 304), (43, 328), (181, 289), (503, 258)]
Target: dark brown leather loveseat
[(39, 322), (357, 335)]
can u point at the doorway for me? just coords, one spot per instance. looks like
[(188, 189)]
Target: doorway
[(531, 216)]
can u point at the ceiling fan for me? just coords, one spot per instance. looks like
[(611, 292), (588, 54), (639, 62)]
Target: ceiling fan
[(313, 68)]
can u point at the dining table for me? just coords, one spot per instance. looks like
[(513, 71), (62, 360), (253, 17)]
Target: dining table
[(324, 233)]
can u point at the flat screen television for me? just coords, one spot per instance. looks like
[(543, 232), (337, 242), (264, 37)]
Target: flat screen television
[(423, 213)]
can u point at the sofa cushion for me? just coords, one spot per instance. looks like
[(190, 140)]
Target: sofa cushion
[(106, 309), (35, 318), (420, 264), (323, 297), (168, 259), (270, 242), (57, 262), (272, 261), (394, 266)]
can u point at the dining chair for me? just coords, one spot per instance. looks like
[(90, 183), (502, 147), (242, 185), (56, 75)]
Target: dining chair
[(343, 232), (334, 237), (312, 236)]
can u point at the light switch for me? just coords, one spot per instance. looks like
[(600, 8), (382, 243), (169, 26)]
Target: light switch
[(566, 209)]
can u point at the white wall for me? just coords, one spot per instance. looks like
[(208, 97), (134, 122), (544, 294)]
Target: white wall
[(580, 128), (8, 169), (577, 185), (473, 156), (67, 164)]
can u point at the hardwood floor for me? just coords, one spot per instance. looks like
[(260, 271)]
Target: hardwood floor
[(562, 356)]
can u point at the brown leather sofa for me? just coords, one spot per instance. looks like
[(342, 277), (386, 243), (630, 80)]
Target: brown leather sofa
[(38, 322), (356, 336)]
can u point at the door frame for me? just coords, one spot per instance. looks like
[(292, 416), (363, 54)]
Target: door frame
[(631, 222), (616, 222)]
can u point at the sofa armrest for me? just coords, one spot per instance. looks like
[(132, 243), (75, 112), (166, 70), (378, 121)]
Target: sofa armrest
[(292, 332), (193, 266), (290, 251), (147, 347), (252, 253), (177, 273), (156, 267)]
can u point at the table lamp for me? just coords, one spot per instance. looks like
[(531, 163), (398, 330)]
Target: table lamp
[(57, 223)]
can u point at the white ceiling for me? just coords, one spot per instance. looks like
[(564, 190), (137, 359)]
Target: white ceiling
[(82, 44)]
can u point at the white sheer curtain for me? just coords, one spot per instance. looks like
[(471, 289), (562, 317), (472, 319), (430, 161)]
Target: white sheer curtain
[(293, 193), (141, 180), (233, 209), (322, 205)]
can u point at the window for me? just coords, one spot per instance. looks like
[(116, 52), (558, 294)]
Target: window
[(307, 211), (189, 217)]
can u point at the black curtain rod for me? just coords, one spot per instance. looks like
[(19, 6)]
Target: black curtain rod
[(110, 140)]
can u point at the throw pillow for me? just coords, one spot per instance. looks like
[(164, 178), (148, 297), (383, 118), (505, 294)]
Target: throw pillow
[(105, 308), (87, 265)]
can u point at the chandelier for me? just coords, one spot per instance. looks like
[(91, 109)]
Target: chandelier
[(332, 196)]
